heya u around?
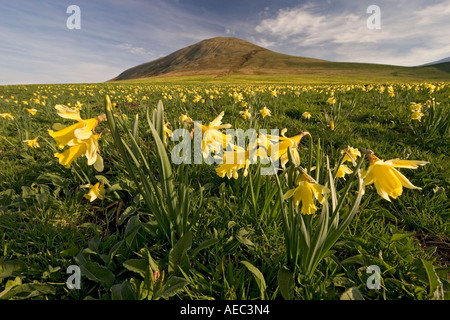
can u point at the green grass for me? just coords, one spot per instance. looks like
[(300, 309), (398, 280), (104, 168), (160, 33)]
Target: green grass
[(46, 223)]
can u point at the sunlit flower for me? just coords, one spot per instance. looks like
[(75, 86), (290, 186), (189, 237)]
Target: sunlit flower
[(332, 125), (331, 100), (212, 138), (305, 192), (87, 148), (354, 154), (70, 135), (7, 116), (78, 105), (97, 191), (184, 118), (167, 131), (279, 150), (343, 170), (245, 114), (233, 161), (391, 91), (31, 111), (274, 93), (417, 115), (265, 112), (32, 143), (80, 137), (306, 115), (388, 181), (237, 96), (415, 107)]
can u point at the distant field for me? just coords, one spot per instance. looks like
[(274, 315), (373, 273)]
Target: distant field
[(304, 79), (234, 242)]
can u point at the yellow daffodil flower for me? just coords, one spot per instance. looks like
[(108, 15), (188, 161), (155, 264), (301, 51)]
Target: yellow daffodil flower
[(279, 151), (331, 100), (7, 116), (354, 154), (67, 136), (415, 107), (212, 137), (87, 148), (305, 192), (96, 191), (388, 181), (343, 170), (32, 143), (265, 112), (232, 162), (184, 118), (417, 115), (167, 131), (31, 111), (306, 115), (245, 114)]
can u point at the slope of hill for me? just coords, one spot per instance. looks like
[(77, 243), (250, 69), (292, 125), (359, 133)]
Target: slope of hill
[(225, 56), (436, 62)]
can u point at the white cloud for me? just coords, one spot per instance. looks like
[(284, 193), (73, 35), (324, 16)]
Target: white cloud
[(136, 50), (411, 33)]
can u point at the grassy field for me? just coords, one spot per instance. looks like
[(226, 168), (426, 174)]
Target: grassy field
[(221, 238)]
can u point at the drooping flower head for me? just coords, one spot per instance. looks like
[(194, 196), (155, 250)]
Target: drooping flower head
[(31, 111), (343, 170), (305, 192), (245, 114), (97, 191), (212, 138), (353, 152), (80, 137), (388, 181), (7, 116), (279, 150), (265, 112), (32, 143)]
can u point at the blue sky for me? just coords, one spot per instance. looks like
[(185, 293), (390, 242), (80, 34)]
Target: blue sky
[(37, 47)]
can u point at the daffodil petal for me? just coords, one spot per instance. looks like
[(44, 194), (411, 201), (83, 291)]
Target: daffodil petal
[(409, 164), (405, 182)]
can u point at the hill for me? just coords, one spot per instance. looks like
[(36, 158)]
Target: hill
[(437, 62), (226, 56)]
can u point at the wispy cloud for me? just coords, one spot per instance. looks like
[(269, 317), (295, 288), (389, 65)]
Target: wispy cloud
[(410, 35)]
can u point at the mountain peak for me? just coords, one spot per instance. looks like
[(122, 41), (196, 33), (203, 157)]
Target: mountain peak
[(216, 56), (222, 56)]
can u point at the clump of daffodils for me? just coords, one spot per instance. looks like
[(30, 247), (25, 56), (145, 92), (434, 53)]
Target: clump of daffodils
[(416, 109)]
